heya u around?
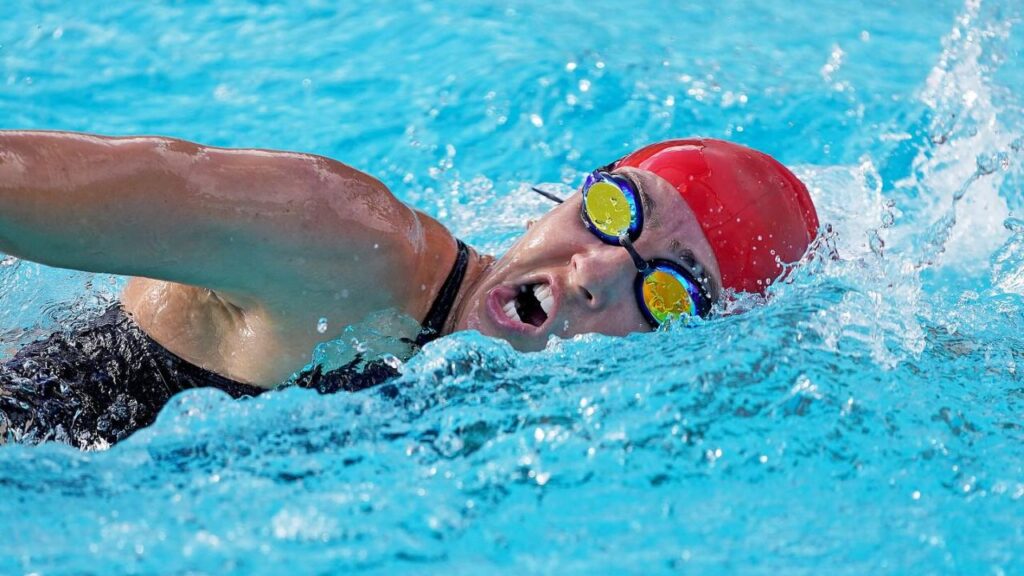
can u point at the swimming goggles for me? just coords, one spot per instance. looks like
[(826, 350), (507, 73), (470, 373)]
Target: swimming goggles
[(613, 211)]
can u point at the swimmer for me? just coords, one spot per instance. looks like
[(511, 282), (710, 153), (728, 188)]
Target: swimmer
[(238, 258)]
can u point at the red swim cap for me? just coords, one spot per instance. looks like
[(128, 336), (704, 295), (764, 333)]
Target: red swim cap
[(754, 212)]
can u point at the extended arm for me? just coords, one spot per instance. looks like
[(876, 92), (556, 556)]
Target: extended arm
[(250, 222)]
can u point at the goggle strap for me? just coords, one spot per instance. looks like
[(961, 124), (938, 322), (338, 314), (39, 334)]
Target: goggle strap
[(547, 194), (641, 265)]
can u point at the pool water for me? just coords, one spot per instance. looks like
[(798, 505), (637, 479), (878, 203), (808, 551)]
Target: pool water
[(868, 419)]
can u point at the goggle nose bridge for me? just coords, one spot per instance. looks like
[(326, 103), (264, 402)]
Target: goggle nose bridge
[(642, 265)]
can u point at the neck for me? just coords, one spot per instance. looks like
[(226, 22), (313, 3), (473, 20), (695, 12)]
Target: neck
[(476, 271)]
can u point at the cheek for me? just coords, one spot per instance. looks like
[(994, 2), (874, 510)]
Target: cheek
[(619, 320), (626, 319), (555, 225), (551, 240)]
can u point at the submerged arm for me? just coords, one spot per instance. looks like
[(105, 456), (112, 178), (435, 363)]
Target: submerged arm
[(249, 222)]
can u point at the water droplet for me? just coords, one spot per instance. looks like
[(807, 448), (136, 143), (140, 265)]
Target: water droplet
[(888, 219), (989, 163), (1015, 225), (536, 120), (876, 243)]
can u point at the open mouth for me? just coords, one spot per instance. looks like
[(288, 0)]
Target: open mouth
[(531, 305)]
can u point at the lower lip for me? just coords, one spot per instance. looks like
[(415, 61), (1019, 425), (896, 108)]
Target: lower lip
[(495, 308)]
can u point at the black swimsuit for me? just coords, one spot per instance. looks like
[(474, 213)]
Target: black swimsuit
[(102, 383)]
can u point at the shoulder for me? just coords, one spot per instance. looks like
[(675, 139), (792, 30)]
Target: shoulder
[(358, 250)]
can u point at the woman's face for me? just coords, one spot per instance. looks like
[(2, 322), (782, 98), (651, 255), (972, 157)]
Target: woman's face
[(583, 285)]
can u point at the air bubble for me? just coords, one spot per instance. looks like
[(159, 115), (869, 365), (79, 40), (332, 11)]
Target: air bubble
[(989, 163), (321, 325)]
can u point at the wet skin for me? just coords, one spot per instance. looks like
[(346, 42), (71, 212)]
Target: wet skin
[(236, 255), (591, 282)]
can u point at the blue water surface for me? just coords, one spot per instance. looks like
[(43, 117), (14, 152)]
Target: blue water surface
[(868, 419)]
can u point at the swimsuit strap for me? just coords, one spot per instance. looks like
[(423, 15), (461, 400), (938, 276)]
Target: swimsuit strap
[(434, 323)]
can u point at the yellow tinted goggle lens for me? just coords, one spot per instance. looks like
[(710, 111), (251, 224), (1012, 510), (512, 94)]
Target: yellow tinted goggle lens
[(608, 208), (666, 296)]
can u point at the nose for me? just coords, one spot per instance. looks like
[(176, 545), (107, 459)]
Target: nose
[(599, 274)]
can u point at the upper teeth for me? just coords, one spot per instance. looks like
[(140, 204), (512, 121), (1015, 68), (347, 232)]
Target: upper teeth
[(542, 292)]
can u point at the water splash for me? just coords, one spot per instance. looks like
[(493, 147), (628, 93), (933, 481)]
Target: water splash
[(867, 413), (965, 119), (1007, 269)]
